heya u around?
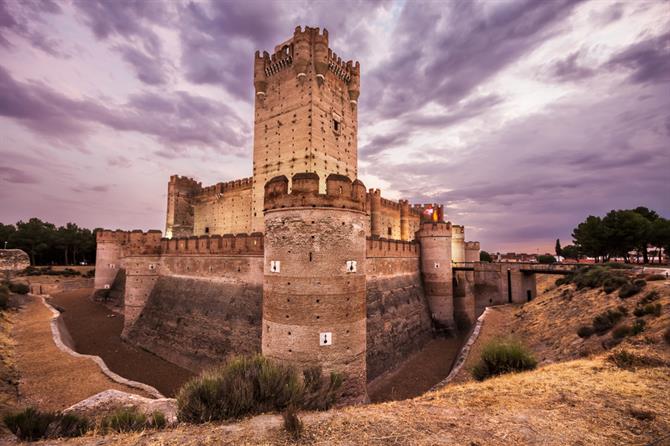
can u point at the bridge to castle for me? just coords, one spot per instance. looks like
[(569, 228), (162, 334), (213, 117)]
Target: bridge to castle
[(502, 282)]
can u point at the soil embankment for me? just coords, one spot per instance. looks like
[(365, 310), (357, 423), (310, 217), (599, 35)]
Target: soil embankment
[(51, 379), (95, 330)]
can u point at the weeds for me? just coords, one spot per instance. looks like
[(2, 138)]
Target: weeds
[(605, 321), (503, 356), (292, 423), (30, 424), (130, 419)]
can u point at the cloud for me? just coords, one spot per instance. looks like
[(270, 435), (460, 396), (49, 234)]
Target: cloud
[(177, 120), (25, 19), (647, 61), (569, 69), (148, 69), (16, 176)]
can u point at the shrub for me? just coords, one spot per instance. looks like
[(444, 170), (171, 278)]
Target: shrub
[(604, 321), (565, 280), (31, 424), (546, 259), (654, 309), (649, 298), (630, 360), (615, 265), (631, 289), (320, 393), (654, 277), (613, 283), (243, 386), (4, 297), (585, 331), (638, 327), (621, 331), (19, 287), (130, 419), (666, 335), (292, 423), (623, 310), (503, 356)]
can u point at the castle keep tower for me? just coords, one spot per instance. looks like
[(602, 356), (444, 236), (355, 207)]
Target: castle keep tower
[(179, 221), (314, 307), (435, 239), (306, 117)]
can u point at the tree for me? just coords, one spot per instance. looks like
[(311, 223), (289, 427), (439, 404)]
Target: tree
[(546, 259), (6, 233), (34, 236), (570, 252), (589, 237), (485, 257), (624, 231), (646, 231), (559, 251), (660, 235)]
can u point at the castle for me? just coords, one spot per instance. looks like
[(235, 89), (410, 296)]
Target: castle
[(300, 261)]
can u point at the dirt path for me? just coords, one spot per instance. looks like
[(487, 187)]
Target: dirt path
[(96, 330), (418, 373), (50, 378)]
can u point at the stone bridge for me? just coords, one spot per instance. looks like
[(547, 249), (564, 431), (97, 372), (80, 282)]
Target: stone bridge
[(479, 285)]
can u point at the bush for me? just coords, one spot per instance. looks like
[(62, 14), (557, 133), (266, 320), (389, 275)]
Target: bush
[(503, 356), (621, 331), (31, 424), (243, 386), (631, 289), (638, 327), (4, 297), (130, 419), (319, 393), (649, 298), (604, 321), (546, 259), (613, 283), (585, 331), (666, 335), (630, 360), (19, 288), (654, 309), (292, 423), (654, 277)]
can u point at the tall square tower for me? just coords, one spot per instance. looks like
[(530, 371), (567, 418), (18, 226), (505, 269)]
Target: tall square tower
[(306, 117)]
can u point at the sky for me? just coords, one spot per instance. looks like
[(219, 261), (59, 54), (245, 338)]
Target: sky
[(523, 117)]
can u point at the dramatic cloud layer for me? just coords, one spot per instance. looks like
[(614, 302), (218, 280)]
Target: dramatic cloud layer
[(522, 116)]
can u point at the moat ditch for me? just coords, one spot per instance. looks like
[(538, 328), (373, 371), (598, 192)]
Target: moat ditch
[(96, 330)]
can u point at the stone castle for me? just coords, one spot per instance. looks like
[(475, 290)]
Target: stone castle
[(298, 261)]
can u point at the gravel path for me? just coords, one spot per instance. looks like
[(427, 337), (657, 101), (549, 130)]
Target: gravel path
[(96, 330), (51, 379)]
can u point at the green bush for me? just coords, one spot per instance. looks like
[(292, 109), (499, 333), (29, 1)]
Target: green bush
[(31, 424), (621, 331), (546, 259), (585, 331), (631, 289), (130, 419), (320, 393), (638, 327), (503, 356), (613, 283), (654, 277), (605, 321), (243, 386)]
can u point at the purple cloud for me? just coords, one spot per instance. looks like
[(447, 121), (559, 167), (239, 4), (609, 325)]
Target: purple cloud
[(12, 175)]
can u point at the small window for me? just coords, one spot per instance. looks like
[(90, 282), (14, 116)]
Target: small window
[(207, 230), (336, 125), (390, 231)]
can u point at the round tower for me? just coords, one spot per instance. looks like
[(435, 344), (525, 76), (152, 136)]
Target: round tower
[(314, 307), (108, 254), (436, 270), (458, 243), (404, 220), (375, 212)]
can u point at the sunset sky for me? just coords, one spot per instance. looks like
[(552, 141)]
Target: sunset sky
[(522, 117)]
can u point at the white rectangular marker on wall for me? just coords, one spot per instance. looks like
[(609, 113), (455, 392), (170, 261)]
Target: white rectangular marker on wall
[(325, 338), (275, 266)]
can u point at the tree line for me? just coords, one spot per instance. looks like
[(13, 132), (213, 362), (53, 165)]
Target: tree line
[(47, 244), (618, 234)]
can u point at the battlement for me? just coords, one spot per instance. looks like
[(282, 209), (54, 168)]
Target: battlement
[(220, 188), (228, 244), (472, 245), (341, 192), (390, 204), (458, 230), (183, 181), (134, 242), (381, 247), (434, 229), (108, 236)]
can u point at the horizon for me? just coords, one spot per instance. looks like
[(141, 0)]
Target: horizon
[(102, 101)]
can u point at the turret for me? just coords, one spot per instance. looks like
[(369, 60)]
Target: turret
[(108, 254), (472, 250), (355, 82), (458, 244), (314, 303), (320, 54), (436, 271), (301, 56), (260, 79), (404, 220), (375, 212)]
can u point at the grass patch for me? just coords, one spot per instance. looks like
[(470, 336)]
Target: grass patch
[(30, 424), (626, 359), (252, 385), (17, 287), (130, 419), (292, 423), (609, 276), (503, 356)]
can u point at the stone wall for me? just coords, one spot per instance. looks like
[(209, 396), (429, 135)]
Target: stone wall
[(398, 318), (224, 208), (13, 261), (197, 323)]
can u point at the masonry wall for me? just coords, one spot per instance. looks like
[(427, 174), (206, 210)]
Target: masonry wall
[(398, 318), (224, 208)]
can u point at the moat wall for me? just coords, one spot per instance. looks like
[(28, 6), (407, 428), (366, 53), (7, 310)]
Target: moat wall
[(398, 318)]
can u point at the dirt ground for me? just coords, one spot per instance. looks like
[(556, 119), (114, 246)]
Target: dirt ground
[(50, 378), (418, 373), (96, 330)]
